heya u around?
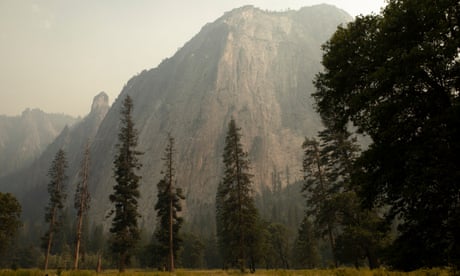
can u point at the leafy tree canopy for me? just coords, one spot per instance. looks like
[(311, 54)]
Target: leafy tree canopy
[(10, 212), (396, 77)]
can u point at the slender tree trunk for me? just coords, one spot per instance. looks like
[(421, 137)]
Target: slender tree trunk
[(171, 251), (48, 249), (121, 265), (78, 241), (323, 190), (82, 198), (50, 238), (373, 262), (240, 219), (99, 263), (171, 196)]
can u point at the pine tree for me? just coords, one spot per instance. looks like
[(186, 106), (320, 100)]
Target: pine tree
[(318, 191), (125, 230), (236, 214), (168, 206), (56, 191), (81, 201), (333, 201)]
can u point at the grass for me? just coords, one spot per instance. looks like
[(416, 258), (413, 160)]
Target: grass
[(183, 272)]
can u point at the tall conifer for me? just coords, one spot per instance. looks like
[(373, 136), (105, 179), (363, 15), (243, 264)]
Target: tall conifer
[(168, 206), (125, 230), (236, 214), (81, 202), (56, 191)]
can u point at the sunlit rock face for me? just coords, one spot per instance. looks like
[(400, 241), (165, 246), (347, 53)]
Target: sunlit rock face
[(252, 65)]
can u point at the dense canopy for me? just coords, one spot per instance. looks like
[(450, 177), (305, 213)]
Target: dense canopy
[(396, 78)]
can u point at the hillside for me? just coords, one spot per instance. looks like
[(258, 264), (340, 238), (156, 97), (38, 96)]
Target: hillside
[(23, 138), (30, 183)]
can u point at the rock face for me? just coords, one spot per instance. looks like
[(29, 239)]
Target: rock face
[(252, 65), (23, 138)]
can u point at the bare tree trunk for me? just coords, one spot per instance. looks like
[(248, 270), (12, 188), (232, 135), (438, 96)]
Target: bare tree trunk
[(121, 264), (78, 241), (82, 202), (99, 263), (50, 238), (171, 249), (48, 250), (171, 221)]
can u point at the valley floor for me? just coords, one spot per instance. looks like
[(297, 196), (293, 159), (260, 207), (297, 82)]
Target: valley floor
[(183, 272)]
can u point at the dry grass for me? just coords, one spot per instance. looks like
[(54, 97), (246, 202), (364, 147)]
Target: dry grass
[(183, 272)]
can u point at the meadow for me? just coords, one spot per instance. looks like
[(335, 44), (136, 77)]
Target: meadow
[(183, 272)]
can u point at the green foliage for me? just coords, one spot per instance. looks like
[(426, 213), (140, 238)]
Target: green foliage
[(82, 197), (192, 255), (278, 246), (56, 191), (10, 213), (333, 203), (396, 77), (320, 191), (81, 202), (236, 214), (181, 272), (168, 207), (305, 249), (124, 229)]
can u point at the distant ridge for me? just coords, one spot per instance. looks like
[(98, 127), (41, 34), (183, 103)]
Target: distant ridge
[(23, 138)]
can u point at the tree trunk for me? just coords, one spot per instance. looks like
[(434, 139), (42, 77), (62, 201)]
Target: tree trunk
[(171, 249), (122, 263), (373, 262), (171, 218), (241, 256), (323, 190), (99, 263), (78, 241), (50, 238), (48, 249)]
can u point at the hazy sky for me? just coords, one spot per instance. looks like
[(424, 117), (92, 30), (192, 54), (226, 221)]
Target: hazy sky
[(56, 55)]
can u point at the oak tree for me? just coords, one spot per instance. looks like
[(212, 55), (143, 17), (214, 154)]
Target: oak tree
[(396, 78)]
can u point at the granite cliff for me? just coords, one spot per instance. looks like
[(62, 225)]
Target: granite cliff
[(255, 66)]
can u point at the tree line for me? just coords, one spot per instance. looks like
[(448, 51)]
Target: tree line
[(392, 78)]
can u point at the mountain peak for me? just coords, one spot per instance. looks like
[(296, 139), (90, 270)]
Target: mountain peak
[(100, 103)]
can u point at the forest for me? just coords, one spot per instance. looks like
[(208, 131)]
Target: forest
[(393, 201)]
